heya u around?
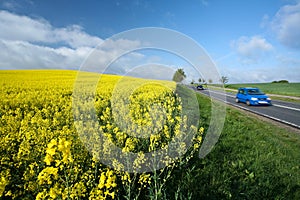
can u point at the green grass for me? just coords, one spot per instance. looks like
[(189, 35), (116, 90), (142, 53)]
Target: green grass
[(252, 160), (292, 89)]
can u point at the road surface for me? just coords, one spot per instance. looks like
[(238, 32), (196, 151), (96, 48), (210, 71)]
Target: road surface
[(284, 112)]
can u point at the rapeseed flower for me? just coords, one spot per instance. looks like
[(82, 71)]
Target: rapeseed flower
[(47, 175)]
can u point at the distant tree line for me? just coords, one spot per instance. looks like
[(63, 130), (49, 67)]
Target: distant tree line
[(180, 75), (281, 81)]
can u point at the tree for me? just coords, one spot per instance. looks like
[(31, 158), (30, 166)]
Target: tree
[(201, 80), (224, 79), (179, 75), (210, 81), (281, 81)]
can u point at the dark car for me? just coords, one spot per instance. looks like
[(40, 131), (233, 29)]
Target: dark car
[(252, 96), (200, 87)]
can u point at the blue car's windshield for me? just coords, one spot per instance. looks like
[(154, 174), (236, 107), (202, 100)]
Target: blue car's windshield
[(255, 92)]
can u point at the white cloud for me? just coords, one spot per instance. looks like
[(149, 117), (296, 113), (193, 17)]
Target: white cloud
[(11, 5), (114, 56), (24, 55), (279, 67), (262, 74), (75, 37), (251, 49), (16, 4), (15, 27), (286, 25), (152, 71), (289, 60), (265, 21), (28, 43), (120, 44)]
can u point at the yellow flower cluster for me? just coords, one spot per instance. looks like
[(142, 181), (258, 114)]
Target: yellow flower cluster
[(126, 178), (144, 180), (106, 186), (4, 175), (198, 138), (63, 146), (44, 154), (47, 175)]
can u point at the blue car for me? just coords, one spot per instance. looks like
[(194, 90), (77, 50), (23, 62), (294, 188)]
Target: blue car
[(252, 96)]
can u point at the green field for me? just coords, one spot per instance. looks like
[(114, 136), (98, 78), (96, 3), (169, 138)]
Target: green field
[(291, 89)]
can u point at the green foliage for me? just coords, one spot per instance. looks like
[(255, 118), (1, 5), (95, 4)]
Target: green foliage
[(224, 79), (200, 80), (179, 75), (281, 81)]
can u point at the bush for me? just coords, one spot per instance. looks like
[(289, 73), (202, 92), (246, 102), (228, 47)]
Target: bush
[(281, 81)]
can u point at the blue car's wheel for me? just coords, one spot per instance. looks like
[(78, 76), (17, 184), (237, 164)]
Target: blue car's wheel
[(248, 103), (237, 100)]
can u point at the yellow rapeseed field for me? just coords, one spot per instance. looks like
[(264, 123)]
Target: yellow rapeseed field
[(48, 149)]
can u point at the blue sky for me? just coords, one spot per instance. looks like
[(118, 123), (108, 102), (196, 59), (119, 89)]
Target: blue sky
[(249, 40)]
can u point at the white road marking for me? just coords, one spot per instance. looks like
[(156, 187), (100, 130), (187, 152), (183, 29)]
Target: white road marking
[(291, 108), (223, 93)]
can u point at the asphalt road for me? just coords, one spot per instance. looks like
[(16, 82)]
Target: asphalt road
[(284, 112)]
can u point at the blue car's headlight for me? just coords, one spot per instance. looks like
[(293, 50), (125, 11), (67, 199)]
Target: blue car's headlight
[(254, 99), (269, 99)]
